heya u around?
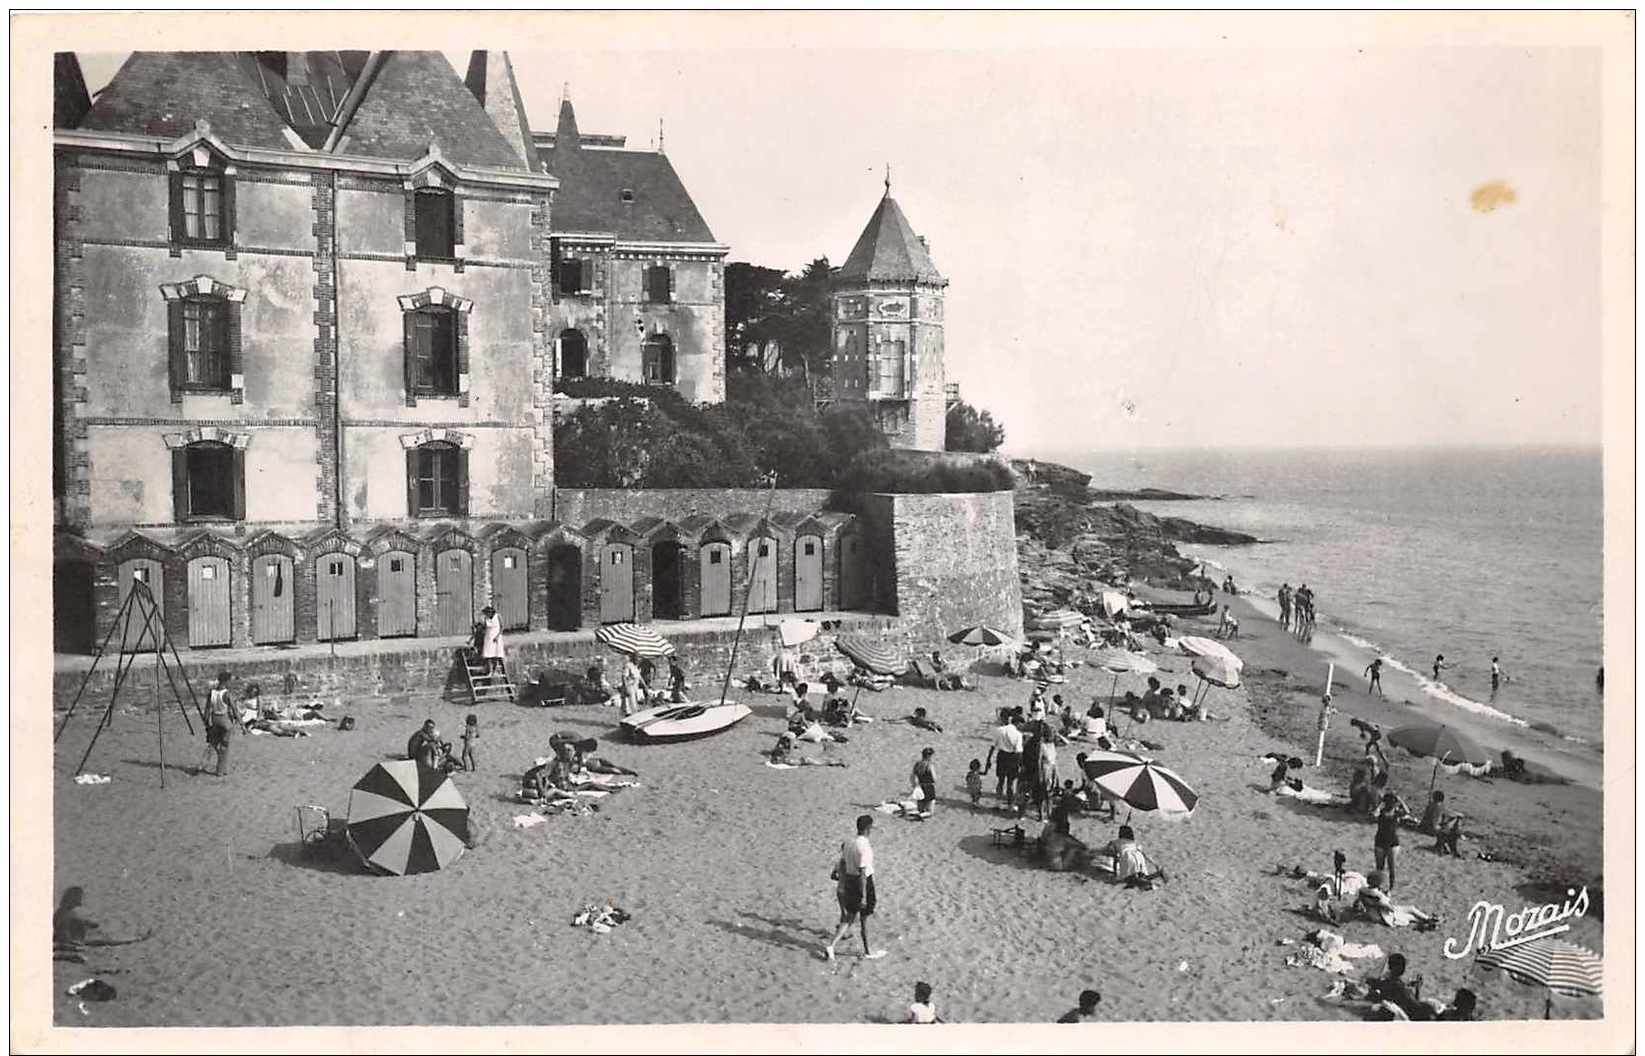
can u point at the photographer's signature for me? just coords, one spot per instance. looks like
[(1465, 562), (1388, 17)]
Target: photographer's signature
[(1488, 922)]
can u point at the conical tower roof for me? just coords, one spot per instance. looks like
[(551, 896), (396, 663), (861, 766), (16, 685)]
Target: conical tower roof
[(888, 250)]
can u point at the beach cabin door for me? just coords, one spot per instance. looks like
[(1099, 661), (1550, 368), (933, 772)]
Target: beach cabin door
[(616, 583), (208, 602), (716, 579), (334, 613), (853, 591), (454, 593), (273, 616), (565, 588), (396, 594), (762, 595), (136, 637), (508, 588), (808, 573)]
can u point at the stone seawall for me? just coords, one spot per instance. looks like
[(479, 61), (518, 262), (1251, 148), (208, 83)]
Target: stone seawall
[(578, 506)]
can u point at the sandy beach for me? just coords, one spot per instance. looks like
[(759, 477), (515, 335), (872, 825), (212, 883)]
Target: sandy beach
[(731, 898)]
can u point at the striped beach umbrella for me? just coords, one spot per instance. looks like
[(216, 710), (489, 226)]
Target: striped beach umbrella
[(1057, 619), (406, 818), (1120, 662), (1561, 967), (981, 636), (635, 640), (870, 655), (1141, 783)]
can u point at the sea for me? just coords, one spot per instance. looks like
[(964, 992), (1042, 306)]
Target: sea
[(1469, 552)]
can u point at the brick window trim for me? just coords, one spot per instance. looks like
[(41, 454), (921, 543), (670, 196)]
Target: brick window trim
[(204, 288), (201, 160), (441, 439), (437, 297), (434, 180), (180, 444)]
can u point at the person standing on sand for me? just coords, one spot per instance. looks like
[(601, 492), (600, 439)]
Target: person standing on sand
[(221, 718), (1008, 747), (1374, 673), (1285, 605), (1386, 846), (854, 876), (630, 688), (924, 778)]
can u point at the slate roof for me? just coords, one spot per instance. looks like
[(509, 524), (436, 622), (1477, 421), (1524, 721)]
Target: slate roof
[(415, 97), (592, 182), (888, 250), (70, 100), (307, 88), (491, 79), (163, 93)]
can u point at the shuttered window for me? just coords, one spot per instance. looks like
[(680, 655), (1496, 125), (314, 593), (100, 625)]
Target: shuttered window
[(202, 207), (202, 340), (208, 482), (431, 352), (658, 356), (437, 480), (436, 225), (659, 284)]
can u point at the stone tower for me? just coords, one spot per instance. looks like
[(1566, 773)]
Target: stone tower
[(887, 321)]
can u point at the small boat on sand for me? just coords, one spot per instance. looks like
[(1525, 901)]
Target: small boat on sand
[(681, 722)]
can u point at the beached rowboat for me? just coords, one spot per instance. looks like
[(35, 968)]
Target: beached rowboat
[(681, 722)]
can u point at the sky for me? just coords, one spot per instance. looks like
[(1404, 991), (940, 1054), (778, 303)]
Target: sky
[(1236, 245)]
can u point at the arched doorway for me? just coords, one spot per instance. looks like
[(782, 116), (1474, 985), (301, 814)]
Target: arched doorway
[(762, 593), (715, 568), (334, 597), (616, 583), (565, 588), (668, 581), (808, 573), (454, 592), (208, 602), (397, 594), (573, 354), (273, 614), (509, 588), (657, 357)]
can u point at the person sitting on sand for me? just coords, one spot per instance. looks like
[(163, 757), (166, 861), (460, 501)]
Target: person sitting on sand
[(1132, 867), (787, 753), (1086, 1011), (426, 747), (677, 687), (1334, 892), (803, 721), (1375, 904), (597, 689), (71, 929), (923, 1010), (583, 749), (1461, 1008), (1444, 826), (1394, 989), (1283, 770), (1096, 721)]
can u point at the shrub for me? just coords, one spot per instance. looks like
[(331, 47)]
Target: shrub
[(924, 472)]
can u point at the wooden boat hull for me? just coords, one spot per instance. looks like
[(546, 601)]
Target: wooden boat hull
[(683, 722)]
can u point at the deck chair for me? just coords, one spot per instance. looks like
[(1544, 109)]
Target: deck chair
[(920, 673)]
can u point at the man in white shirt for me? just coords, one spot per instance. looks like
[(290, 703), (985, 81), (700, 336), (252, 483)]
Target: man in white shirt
[(1008, 747), (854, 876)]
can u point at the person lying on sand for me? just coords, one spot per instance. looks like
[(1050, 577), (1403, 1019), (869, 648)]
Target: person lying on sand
[(1374, 904), (1281, 771), (1516, 769), (1334, 892), (787, 753), (921, 720), (584, 748)]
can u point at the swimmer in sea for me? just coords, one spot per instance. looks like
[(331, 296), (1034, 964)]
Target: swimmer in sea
[(1440, 665)]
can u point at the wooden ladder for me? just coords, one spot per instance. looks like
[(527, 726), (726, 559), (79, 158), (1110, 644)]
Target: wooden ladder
[(484, 686)]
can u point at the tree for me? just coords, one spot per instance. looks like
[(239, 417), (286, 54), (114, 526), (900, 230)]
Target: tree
[(766, 309), (804, 326), (753, 298), (972, 430)]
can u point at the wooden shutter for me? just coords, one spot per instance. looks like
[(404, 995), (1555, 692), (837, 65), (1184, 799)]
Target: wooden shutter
[(179, 484), (410, 320), (178, 232), (174, 326), (462, 482), (225, 203), (668, 284), (554, 269), (236, 362), (237, 481), (411, 482)]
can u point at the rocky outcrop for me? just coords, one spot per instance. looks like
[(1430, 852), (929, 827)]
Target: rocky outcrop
[(1070, 547)]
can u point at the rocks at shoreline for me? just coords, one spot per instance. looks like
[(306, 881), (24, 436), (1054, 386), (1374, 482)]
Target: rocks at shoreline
[(1069, 545)]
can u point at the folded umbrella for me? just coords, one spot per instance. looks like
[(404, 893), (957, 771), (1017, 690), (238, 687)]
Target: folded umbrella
[(634, 640)]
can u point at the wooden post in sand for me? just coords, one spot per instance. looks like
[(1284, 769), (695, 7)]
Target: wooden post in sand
[(1324, 715)]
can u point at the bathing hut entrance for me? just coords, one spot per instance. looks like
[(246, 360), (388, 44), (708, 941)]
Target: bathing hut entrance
[(853, 573), (454, 592), (808, 573), (334, 611), (617, 583), (565, 588), (762, 596), (716, 572), (208, 602), (137, 638), (668, 581), (397, 594), (508, 588), (273, 616)]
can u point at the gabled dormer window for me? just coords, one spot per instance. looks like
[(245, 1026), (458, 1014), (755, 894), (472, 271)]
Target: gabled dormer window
[(202, 207), (436, 224)]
